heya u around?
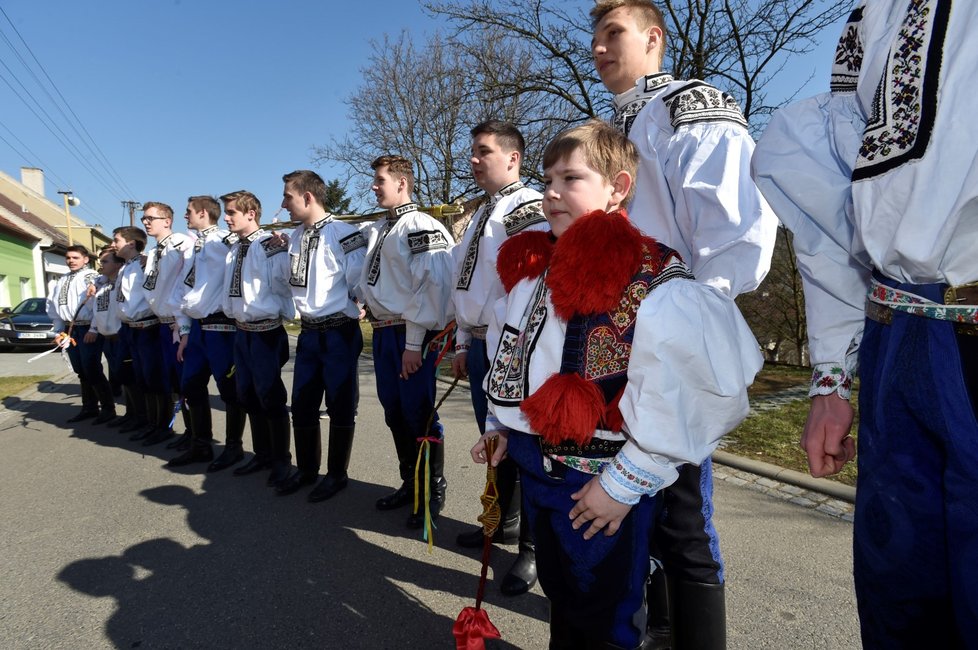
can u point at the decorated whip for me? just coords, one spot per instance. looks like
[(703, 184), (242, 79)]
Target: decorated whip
[(63, 340), (444, 340), (473, 627)]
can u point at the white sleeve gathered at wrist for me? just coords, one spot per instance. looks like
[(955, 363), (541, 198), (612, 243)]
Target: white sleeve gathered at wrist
[(414, 336), (634, 473)]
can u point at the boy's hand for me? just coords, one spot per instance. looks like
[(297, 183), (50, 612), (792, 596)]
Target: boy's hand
[(826, 437), (479, 450), (182, 346), (90, 336), (90, 291), (595, 506), (410, 363), (459, 367)]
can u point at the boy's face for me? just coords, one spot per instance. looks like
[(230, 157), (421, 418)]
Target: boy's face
[(155, 223), (387, 188), (623, 51), (75, 260), (108, 265), (240, 223), (126, 248), (197, 219), (492, 166), (297, 205), (573, 189)]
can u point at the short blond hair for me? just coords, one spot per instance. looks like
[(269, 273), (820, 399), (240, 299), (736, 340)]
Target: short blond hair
[(166, 210), (645, 12), (243, 201), (605, 149)]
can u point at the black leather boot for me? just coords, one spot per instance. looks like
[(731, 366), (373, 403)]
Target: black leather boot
[(280, 439), (164, 413), (152, 416), (139, 417), (261, 443), (407, 454), (234, 433), (103, 392), (439, 487), (308, 457), (200, 450), (523, 574), (337, 462), (89, 407), (699, 615), (658, 624)]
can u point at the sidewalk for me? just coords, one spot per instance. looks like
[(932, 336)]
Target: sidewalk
[(104, 547)]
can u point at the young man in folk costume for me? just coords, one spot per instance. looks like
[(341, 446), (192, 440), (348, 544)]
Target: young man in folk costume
[(139, 332), (70, 306), (694, 194), (877, 181), (206, 346), (166, 265), (326, 263), (106, 323), (406, 286), (603, 331), (257, 298), (508, 209)]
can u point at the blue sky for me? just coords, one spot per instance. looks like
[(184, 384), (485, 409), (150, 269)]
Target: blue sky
[(199, 96)]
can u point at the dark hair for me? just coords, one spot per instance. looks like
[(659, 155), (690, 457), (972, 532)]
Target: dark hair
[(133, 234), (508, 136), (78, 248), (208, 203), (304, 180)]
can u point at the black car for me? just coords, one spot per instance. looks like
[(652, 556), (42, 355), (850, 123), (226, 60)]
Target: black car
[(27, 324)]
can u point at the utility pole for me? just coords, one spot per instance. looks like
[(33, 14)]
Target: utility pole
[(131, 206)]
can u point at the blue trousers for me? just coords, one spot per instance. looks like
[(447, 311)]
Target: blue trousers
[(477, 364), (258, 361), (326, 365), (86, 358), (208, 354), (407, 403), (916, 522), (147, 360), (595, 586)]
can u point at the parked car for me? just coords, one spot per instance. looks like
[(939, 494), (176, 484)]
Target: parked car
[(27, 324)]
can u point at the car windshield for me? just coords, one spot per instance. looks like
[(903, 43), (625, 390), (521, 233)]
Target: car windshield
[(31, 307)]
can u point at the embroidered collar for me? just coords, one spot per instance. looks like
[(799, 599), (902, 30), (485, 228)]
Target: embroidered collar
[(509, 189), (208, 230), (161, 243), (255, 234), (394, 213), (643, 86), (322, 222)]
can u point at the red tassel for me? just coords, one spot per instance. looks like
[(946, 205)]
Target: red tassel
[(613, 420), (522, 256), (472, 628), (566, 407), (593, 262)]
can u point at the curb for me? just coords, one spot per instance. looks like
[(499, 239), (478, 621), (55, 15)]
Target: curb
[(821, 485), (42, 387)]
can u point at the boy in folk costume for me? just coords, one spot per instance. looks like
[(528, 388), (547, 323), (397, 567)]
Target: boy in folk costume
[(139, 332), (604, 331), (206, 346), (326, 262), (508, 209), (106, 323), (406, 286), (70, 306), (693, 193), (257, 298)]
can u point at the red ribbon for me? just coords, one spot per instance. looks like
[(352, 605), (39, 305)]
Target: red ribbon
[(472, 628)]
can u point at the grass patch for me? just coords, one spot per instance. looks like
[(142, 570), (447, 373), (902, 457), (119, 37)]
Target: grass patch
[(775, 378), (772, 436), (11, 386)]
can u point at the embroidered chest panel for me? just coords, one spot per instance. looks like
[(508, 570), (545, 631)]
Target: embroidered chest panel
[(149, 280), (373, 271), (848, 56), (472, 252), (103, 299), (509, 378), (234, 288), (299, 263), (905, 104)]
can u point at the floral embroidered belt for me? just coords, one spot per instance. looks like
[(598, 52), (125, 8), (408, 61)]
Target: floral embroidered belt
[(391, 322), (217, 322), (960, 305), (142, 323), (479, 332), (259, 325), (590, 458), (81, 323), (326, 322), (168, 320)]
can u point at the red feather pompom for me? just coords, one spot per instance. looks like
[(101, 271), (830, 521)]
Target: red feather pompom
[(526, 255), (566, 407)]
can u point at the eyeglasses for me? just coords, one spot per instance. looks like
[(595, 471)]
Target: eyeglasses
[(153, 218)]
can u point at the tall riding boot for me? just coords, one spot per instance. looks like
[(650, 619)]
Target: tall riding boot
[(184, 440), (107, 412), (89, 407), (200, 450), (234, 432), (509, 505), (562, 635), (279, 430), (699, 615), (261, 443), (164, 414), (140, 417), (439, 486), (152, 417), (523, 574), (407, 455), (337, 463), (658, 625), (130, 412), (308, 458)]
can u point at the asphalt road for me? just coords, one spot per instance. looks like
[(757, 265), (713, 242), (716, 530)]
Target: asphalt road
[(103, 547)]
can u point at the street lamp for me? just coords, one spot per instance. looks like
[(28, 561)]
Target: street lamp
[(70, 199)]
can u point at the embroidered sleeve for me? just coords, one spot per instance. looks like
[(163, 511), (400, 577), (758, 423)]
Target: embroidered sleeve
[(700, 102), (352, 242), (421, 241), (274, 246), (524, 216)]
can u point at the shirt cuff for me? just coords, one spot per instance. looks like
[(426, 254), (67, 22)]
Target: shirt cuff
[(626, 480), (414, 336), (828, 378), (493, 423), (463, 339)]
